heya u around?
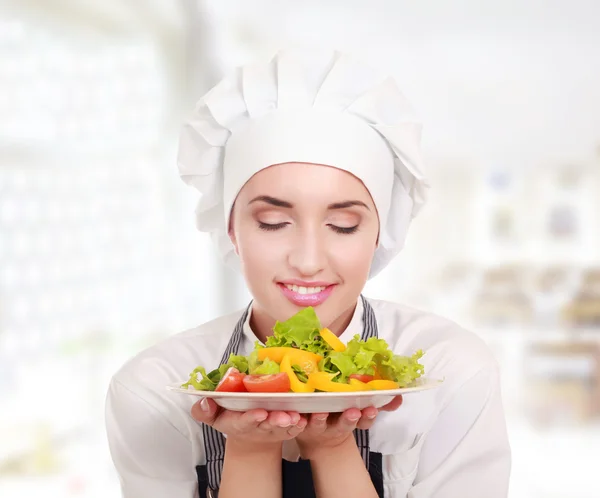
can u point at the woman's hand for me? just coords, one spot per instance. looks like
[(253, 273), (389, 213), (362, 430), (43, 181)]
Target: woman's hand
[(255, 428), (325, 431)]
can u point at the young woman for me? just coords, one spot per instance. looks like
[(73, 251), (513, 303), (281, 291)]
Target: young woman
[(310, 172)]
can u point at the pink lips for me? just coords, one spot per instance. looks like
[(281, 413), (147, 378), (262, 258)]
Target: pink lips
[(306, 299)]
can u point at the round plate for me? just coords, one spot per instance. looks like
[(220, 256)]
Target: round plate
[(307, 402)]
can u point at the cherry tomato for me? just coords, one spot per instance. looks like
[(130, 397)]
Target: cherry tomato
[(232, 382), (362, 377), (272, 383)]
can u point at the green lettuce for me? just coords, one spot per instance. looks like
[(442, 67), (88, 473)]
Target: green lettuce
[(202, 382), (402, 369), (301, 374), (300, 331), (340, 363), (364, 357), (237, 361), (253, 361), (266, 367), (210, 381)]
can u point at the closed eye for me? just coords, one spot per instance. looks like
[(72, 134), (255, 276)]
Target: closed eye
[(344, 230), (271, 227)]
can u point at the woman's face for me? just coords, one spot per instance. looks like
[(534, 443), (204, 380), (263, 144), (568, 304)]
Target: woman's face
[(305, 235)]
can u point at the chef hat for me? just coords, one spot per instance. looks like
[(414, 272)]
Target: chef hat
[(309, 107)]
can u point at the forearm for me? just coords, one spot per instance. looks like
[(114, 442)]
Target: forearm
[(341, 472), (251, 472)]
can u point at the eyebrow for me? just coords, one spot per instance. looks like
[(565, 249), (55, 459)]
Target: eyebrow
[(272, 200), (285, 204), (347, 204)]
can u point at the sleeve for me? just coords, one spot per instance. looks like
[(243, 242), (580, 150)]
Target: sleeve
[(467, 453), (151, 456)]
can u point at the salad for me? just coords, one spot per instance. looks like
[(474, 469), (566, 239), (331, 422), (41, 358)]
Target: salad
[(303, 357)]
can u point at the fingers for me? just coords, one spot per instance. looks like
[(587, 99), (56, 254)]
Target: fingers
[(297, 429), (205, 411), (250, 419), (279, 420), (392, 405), (348, 420), (283, 425), (368, 418), (251, 425), (318, 422), (209, 413)]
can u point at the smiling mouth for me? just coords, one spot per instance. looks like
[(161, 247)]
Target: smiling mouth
[(306, 295), (305, 290)]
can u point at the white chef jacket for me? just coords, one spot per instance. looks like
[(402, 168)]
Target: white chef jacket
[(449, 442)]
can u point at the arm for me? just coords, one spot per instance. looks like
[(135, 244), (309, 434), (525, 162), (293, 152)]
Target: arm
[(252, 464), (251, 472), (153, 459), (337, 467), (467, 452), (339, 472)]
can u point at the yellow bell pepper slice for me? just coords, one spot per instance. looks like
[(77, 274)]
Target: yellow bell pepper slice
[(296, 384), (362, 385), (323, 382), (333, 340), (306, 360), (382, 385)]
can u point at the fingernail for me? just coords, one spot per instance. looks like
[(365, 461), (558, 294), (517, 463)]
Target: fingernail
[(371, 413), (321, 417), (204, 406), (353, 418)]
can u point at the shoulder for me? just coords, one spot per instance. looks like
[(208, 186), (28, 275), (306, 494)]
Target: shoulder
[(145, 376), (153, 440), (449, 348), (453, 354), (177, 355)]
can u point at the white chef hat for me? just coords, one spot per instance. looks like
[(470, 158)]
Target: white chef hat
[(309, 107)]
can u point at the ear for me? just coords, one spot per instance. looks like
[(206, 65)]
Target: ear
[(231, 234)]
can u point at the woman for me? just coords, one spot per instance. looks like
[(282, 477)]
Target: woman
[(310, 172)]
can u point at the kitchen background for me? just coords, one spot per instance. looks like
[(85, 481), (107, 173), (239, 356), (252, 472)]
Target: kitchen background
[(99, 256)]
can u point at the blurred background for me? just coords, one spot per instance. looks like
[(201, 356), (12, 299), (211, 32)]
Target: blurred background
[(99, 256)]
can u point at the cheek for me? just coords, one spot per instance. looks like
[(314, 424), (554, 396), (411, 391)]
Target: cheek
[(261, 260), (353, 254), (256, 250)]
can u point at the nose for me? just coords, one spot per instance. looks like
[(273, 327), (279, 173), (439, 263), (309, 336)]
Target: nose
[(307, 254)]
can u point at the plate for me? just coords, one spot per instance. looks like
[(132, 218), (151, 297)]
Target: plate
[(307, 402)]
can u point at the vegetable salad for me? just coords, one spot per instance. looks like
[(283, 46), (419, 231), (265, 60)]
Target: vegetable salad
[(303, 357)]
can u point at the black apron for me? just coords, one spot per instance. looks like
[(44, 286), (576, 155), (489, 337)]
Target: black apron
[(296, 476)]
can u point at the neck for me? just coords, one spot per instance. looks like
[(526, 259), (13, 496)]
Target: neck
[(340, 324), (262, 323)]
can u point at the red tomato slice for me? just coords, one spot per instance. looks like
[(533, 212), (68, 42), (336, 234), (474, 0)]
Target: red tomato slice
[(272, 383), (362, 377), (232, 382)]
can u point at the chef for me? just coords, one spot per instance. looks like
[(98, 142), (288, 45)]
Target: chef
[(310, 172)]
